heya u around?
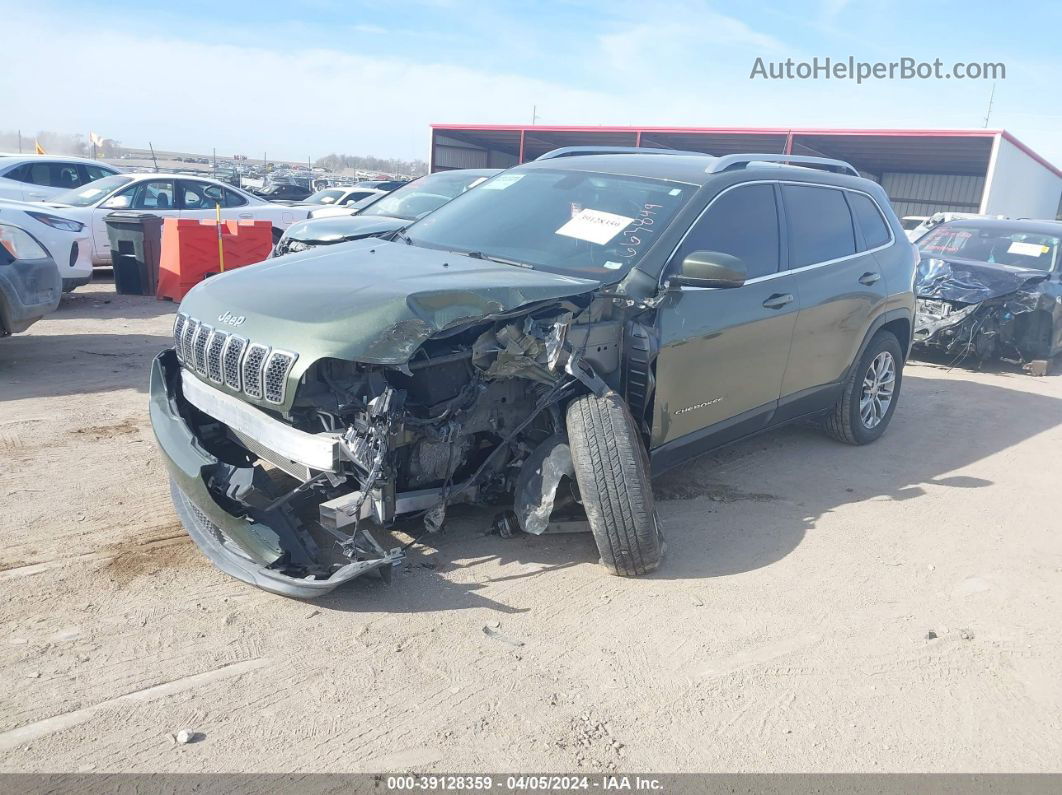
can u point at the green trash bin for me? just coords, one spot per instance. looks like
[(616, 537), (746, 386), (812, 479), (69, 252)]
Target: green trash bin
[(136, 246)]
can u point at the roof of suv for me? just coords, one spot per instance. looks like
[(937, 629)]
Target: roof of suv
[(692, 169)]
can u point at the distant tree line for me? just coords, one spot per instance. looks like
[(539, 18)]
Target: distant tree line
[(387, 165)]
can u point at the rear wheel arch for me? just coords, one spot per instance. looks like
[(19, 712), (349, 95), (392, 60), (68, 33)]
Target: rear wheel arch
[(901, 329)]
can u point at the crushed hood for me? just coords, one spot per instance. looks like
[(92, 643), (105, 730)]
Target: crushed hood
[(369, 301), (336, 228), (970, 282)]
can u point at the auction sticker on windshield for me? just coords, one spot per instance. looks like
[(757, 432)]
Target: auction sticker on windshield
[(595, 226), (1028, 249), (502, 182)]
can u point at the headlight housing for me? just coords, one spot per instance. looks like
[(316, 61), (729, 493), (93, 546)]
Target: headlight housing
[(20, 244), (56, 222)]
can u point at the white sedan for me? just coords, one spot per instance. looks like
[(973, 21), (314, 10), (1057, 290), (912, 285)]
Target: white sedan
[(31, 178), (168, 196), (67, 241), (338, 201)]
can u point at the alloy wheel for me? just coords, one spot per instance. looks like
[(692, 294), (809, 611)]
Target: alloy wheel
[(878, 384)]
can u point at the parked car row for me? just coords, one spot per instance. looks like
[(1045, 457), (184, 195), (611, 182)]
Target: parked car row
[(381, 212), (72, 224)]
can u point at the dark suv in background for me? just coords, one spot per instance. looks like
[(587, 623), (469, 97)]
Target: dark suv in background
[(546, 341)]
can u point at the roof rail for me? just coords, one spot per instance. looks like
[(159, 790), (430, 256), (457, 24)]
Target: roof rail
[(572, 151), (728, 162)]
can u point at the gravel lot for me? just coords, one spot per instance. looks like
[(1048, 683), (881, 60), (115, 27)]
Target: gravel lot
[(821, 608)]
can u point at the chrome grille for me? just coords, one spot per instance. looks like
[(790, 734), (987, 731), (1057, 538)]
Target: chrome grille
[(199, 346), (215, 346), (178, 331), (230, 361), (252, 369), (256, 370), (275, 375), (190, 328)]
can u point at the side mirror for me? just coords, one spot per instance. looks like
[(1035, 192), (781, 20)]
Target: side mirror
[(116, 203), (710, 269)]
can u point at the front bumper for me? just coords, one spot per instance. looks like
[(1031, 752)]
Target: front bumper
[(29, 290), (78, 270), (238, 546)]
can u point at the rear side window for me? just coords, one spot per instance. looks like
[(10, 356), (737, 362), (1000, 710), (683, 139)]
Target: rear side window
[(820, 225), (868, 216), (18, 173), (743, 222), (32, 173)]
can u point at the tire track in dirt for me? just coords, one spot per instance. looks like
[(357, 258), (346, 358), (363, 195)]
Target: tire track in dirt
[(30, 732)]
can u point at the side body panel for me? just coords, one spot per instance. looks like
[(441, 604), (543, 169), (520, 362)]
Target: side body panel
[(722, 354)]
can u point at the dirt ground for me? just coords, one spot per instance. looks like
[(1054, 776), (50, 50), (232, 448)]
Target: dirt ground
[(821, 607)]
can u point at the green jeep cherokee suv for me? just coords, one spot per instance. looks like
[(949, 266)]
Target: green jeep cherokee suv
[(544, 342)]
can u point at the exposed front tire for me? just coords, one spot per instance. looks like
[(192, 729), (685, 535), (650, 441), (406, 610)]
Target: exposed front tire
[(870, 393), (612, 471)]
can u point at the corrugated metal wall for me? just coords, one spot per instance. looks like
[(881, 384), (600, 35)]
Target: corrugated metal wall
[(451, 153), (925, 194)]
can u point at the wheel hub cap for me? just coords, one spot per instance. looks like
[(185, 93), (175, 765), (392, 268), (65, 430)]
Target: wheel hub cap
[(878, 384)]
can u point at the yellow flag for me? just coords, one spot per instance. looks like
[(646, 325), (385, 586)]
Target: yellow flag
[(39, 148)]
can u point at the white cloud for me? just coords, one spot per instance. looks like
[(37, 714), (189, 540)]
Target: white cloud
[(293, 103)]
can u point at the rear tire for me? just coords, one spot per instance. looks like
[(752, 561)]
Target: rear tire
[(612, 470), (859, 416)]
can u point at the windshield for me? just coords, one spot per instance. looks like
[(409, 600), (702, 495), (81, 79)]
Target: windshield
[(420, 197), (91, 193), (327, 196), (997, 245), (567, 221)]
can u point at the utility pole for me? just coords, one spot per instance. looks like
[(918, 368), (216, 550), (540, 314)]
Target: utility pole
[(534, 114), (214, 158), (154, 159), (991, 97), (20, 141)]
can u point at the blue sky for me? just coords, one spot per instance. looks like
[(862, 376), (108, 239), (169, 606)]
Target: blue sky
[(305, 79)]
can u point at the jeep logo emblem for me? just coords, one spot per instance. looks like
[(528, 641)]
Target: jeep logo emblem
[(231, 319)]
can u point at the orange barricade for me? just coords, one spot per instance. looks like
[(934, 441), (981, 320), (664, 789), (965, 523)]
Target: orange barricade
[(190, 251)]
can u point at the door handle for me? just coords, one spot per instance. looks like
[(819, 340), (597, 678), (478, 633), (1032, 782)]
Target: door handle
[(869, 278), (777, 301)]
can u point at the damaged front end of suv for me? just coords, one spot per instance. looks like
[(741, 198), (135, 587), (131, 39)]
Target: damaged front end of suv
[(408, 394)]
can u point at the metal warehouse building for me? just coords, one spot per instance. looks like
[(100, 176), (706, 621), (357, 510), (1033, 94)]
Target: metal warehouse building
[(923, 171)]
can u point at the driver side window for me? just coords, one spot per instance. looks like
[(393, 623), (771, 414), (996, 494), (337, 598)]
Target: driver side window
[(742, 222)]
